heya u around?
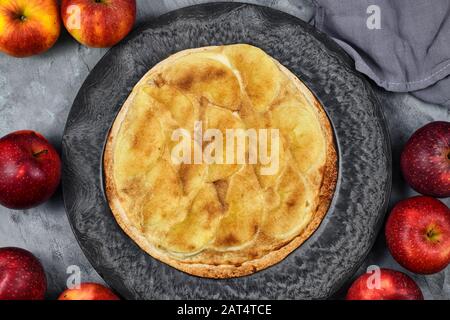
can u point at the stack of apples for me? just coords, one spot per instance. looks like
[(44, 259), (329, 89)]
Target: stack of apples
[(417, 229), (30, 172), (30, 167), (32, 27)]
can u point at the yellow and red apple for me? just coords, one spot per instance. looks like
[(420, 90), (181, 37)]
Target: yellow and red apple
[(89, 291), (98, 23), (28, 27)]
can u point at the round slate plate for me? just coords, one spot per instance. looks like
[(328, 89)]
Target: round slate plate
[(322, 264)]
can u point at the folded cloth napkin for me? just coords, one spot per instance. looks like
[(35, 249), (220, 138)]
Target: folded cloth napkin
[(403, 45)]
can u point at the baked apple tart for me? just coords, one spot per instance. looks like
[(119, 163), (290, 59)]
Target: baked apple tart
[(212, 217)]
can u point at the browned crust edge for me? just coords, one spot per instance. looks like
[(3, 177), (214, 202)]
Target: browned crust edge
[(225, 271)]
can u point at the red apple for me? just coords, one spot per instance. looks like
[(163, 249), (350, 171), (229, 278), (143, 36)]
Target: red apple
[(22, 276), (418, 234), (89, 291), (28, 27), (393, 285), (30, 169), (425, 160), (98, 23)]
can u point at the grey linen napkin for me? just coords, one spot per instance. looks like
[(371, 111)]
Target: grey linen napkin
[(403, 45)]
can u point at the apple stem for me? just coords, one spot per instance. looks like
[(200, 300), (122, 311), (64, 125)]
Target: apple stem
[(37, 154), (432, 234), (21, 17)]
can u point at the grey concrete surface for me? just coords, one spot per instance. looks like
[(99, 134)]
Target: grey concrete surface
[(37, 93)]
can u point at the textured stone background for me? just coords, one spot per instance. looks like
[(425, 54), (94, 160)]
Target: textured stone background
[(37, 93)]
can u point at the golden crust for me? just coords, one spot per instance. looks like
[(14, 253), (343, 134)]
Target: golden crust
[(239, 268)]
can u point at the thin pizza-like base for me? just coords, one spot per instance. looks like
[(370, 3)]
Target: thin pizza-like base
[(236, 238)]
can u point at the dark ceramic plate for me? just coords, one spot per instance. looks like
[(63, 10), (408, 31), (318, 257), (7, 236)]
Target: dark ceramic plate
[(323, 263)]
